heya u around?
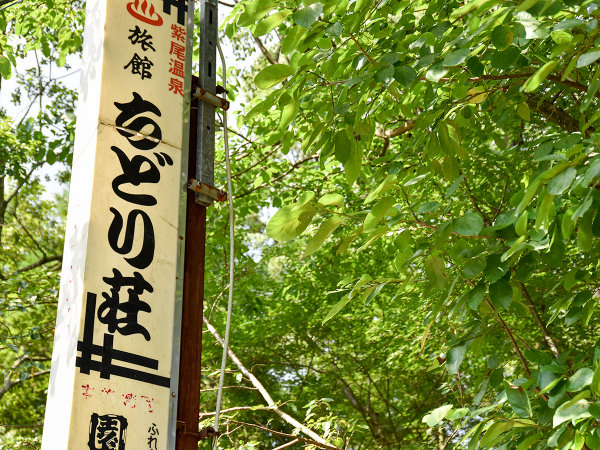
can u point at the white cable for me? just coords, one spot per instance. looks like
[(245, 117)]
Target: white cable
[(231, 253)]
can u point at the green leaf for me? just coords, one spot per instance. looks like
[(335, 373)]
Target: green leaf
[(435, 271), (256, 10), (324, 231), (309, 15), (436, 72), (288, 113), (377, 212), (571, 410), (455, 356), (270, 23), (375, 234), (405, 75), (390, 182), (474, 66), (516, 247), (456, 414), (588, 58), (272, 75), (501, 294), (502, 37), (528, 442), (543, 211), (437, 415), (584, 232), (385, 75), (476, 296), (567, 223), (538, 77), (505, 59), (495, 268), (561, 37), (456, 57), (474, 267), (5, 67), (521, 224), (523, 112), (353, 163), (595, 386), (342, 146), (580, 379), (468, 225), (548, 381), (561, 182), (290, 221), (504, 220), (494, 432), (336, 309), (537, 356), (332, 200), (518, 400), (467, 8)]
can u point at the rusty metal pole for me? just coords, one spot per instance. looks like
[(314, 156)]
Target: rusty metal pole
[(188, 406)]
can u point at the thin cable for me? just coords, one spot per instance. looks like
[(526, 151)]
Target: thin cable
[(231, 253)]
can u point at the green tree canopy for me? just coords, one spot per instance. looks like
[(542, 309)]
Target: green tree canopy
[(416, 189)]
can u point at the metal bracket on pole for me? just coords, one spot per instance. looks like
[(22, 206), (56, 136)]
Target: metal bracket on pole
[(205, 151), (210, 192), (211, 98)]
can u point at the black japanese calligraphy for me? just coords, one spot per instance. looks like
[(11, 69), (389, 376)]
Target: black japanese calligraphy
[(122, 316), (108, 354), (181, 6), (129, 111), (146, 254), (140, 66), (152, 439), (134, 175), (107, 432), (138, 36)]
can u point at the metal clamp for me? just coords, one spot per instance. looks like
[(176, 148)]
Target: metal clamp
[(211, 192), (211, 98), (204, 433)]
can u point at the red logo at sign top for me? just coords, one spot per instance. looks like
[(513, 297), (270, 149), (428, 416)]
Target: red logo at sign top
[(144, 13)]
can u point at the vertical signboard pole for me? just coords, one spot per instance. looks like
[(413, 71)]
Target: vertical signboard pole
[(207, 83), (201, 167), (113, 381), (190, 374)]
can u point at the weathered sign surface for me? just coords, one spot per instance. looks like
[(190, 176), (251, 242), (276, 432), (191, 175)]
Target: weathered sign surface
[(114, 367)]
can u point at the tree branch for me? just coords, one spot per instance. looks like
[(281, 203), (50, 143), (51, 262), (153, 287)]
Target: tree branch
[(9, 383), (308, 441), (362, 50), (555, 115), (265, 394), (512, 338), (549, 341), (274, 180), (21, 183), (38, 263), (264, 50), (406, 127), (486, 219)]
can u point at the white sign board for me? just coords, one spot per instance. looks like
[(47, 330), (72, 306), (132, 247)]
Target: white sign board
[(113, 382)]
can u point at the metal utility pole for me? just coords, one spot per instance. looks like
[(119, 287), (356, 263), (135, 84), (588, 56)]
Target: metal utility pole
[(201, 194)]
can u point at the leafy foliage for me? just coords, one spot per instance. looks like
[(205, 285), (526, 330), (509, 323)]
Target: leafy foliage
[(428, 275), (461, 140)]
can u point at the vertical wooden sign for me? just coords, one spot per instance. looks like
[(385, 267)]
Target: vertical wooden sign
[(113, 382)]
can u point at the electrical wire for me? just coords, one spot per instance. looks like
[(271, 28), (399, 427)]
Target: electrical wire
[(231, 253)]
